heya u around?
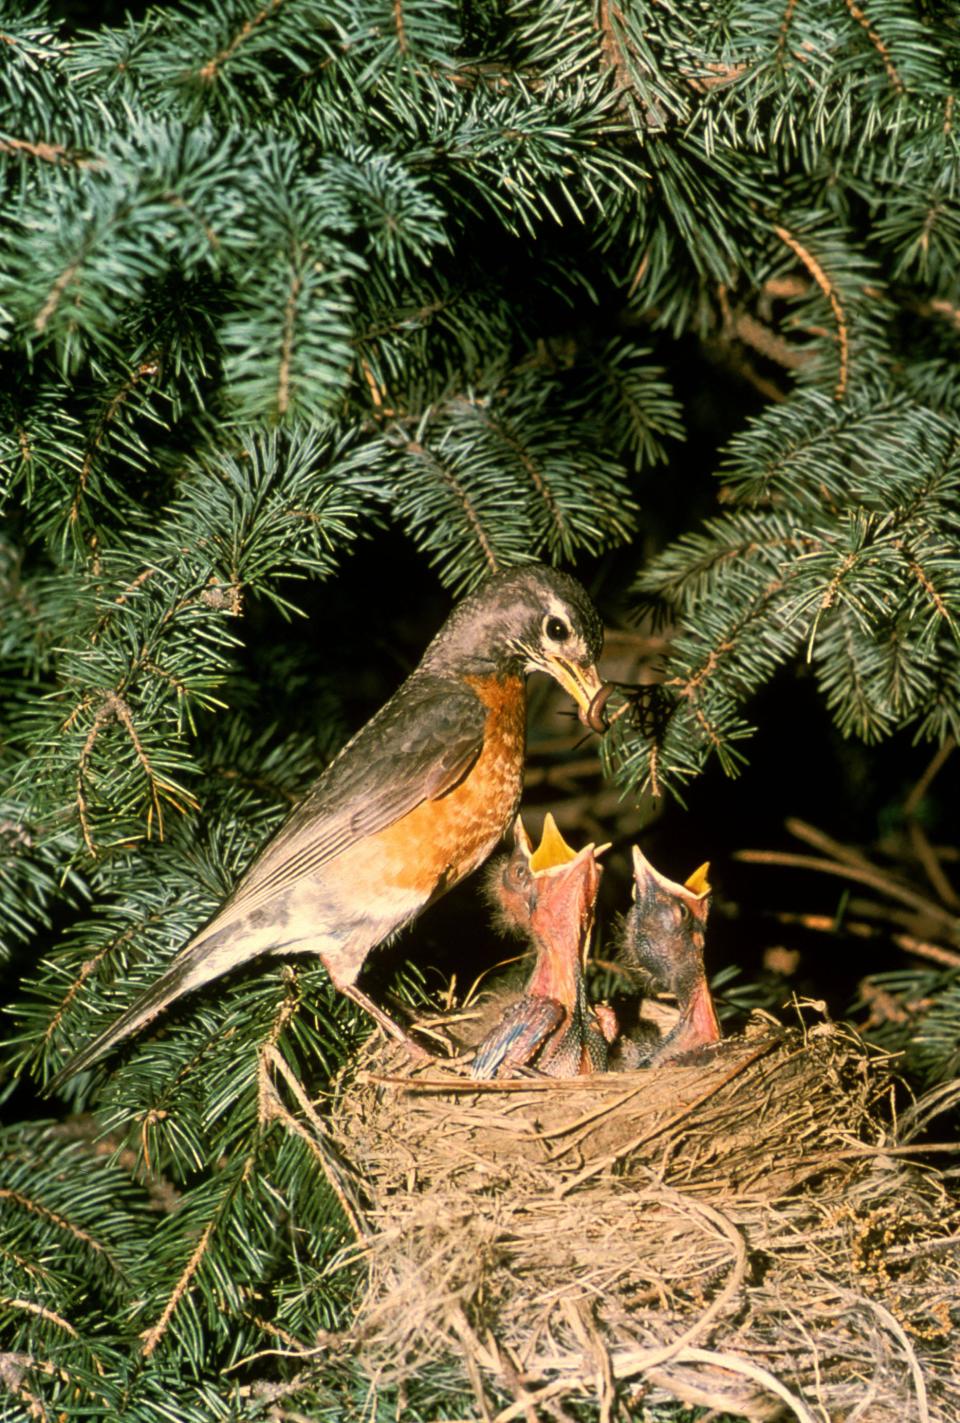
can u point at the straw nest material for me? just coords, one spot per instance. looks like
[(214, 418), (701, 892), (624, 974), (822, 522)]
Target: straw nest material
[(747, 1233)]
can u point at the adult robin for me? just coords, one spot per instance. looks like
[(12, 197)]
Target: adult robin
[(664, 934), (413, 803), (548, 895)]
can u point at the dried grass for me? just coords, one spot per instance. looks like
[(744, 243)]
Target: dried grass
[(748, 1233)]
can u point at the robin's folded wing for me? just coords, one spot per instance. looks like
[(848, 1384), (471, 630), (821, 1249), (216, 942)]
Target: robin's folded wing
[(418, 747)]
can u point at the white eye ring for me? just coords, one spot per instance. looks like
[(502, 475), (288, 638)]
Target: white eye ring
[(555, 629)]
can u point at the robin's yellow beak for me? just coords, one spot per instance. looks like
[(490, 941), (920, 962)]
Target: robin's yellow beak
[(582, 683)]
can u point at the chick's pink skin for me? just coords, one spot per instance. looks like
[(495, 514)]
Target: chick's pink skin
[(554, 908), (561, 917)]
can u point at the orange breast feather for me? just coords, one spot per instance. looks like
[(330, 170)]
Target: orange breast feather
[(441, 841)]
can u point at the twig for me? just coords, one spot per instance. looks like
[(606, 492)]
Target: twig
[(931, 865), (335, 1170), (827, 924), (41, 1312), (895, 1327), (912, 802), (593, 1116), (418, 451), (878, 45), (830, 292), (209, 71), (923, 950), (151, 1337), (46, 1214), (48, 152), (785, 30), (872, 877), (810, 835), (590, 1085), (760, 1376), (918, 1150), (286, 349)]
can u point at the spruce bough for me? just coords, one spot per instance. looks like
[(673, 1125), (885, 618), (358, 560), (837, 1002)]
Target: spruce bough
[(277, 277)]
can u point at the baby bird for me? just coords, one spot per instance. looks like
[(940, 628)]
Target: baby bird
[(548, 896), (664, 934)]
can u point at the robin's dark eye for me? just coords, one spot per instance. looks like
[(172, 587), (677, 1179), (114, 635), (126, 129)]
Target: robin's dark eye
[(556, 629)]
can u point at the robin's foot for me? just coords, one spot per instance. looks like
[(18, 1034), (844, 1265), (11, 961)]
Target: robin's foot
[(413, 1049)]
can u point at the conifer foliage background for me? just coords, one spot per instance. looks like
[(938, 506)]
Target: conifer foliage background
[(280, 279)]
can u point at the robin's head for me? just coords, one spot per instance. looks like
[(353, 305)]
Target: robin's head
[(526, 619)]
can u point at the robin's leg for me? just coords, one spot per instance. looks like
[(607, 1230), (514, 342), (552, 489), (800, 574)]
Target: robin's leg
[(418, 1053)]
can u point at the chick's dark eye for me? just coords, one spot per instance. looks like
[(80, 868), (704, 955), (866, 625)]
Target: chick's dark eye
[(556, 629)]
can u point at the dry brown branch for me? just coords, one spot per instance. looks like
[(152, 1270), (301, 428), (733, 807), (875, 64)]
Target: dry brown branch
[(766, 1380), (41, 1311), (399, 26), (925, 581), (830, 292), (925, 950), (317, 1138), (610, 47), (918, 792), (827, 924), (629, 1147), (770, 345), (946, 310), (718, 76), (54, 296), (86, 968), (47, 152), (13, 1367), (931, 865), (144, 371), (113, 707), (529, 465), (896, 1328), (873, 877)]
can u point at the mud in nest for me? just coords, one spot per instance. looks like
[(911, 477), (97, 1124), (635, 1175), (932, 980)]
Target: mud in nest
[(750, 1233)]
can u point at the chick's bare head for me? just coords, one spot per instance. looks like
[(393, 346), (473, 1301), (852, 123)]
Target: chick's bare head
[(549, 892), (664, 930)]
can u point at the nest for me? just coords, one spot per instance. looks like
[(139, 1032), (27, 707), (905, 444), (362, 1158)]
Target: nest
[(746, 1233)]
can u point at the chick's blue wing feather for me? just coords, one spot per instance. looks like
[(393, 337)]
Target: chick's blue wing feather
[(522, 1030)]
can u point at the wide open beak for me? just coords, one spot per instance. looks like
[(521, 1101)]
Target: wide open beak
[(553, 850), (646, 880), (582, 683)]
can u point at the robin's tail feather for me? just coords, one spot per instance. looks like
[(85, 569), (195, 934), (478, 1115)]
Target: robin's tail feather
[(197, 964)]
